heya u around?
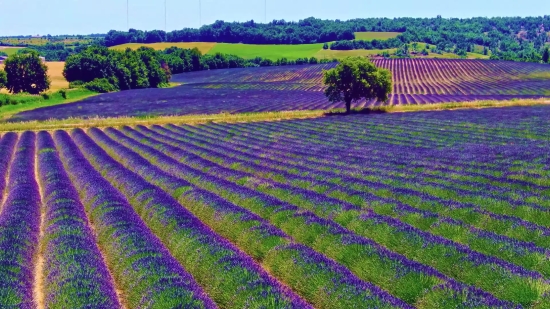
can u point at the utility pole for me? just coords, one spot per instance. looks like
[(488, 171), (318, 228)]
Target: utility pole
[(128, 14), (165, 14), (200, 14), (265, 7)]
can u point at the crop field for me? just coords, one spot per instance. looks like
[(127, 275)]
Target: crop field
[(9, 50), (415, 81), (42, 41), (369, 35), (428, 210), (204, 47), (273, 52), (292, 52)]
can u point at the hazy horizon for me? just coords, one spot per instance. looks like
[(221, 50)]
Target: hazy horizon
[(100, 16)]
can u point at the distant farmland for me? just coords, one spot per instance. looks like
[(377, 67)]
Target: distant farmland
[(291, 52), (272, 52), (415, 81), (9, 50), (368, 36), (204, 47)]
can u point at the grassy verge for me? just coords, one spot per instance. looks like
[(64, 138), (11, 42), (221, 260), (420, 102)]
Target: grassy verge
[(29, 102), (245, 117)]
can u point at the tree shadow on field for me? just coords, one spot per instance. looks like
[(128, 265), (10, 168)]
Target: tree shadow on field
[(355, 111)]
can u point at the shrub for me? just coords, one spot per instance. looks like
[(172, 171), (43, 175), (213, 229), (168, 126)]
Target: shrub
[(63, 93), (101, 85), (45, 96), (76, 84)]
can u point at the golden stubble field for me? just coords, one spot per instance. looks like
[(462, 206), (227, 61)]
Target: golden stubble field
[(55, 71)]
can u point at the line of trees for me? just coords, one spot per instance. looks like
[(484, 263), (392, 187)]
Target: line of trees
[(369, 45), (100, 69)]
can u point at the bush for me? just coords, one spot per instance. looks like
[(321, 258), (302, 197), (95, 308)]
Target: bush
[(20, 98), (63, 93), (101, 85), (45, 96), (76, 84)]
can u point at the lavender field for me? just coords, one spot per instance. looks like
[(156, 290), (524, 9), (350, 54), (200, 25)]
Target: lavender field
[(415, 81), (404, 210)]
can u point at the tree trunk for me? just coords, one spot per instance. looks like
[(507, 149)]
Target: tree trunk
[(348, 107)]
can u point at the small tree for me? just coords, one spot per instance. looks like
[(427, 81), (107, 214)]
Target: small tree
[(26, 73), (357, 78), (325, 46), (546, 55), (3, 79)]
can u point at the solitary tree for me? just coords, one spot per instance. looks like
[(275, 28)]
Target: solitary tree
[(357, 78), (26, 73)]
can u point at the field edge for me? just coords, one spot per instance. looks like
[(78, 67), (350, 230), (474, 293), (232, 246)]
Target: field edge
[(253, 117)]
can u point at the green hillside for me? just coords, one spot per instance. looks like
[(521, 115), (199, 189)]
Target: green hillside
[(368, 36)]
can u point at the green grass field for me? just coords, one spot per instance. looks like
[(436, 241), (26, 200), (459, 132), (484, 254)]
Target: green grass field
[(10, 50), (368, 36), (272, 52)]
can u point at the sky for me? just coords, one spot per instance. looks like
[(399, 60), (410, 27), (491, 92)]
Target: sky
[(39, 17)]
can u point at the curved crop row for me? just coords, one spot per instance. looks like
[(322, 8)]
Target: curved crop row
[(142, 267), (240, 280), (75, 275), (19, 228)]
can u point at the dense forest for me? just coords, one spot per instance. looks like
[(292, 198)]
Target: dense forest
[(505, 38)]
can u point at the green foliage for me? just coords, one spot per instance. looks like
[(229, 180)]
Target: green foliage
[(101, 85), (357, 78), (63, 93), (508, 38), (325, 46), (26, 73), (3, 53), (130, 69), (403, 51), (3, 79), (546, 55), (21, 98)]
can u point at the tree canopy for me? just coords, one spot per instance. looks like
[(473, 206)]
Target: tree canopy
[(26, 73), (357, 78), (129, 69)]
